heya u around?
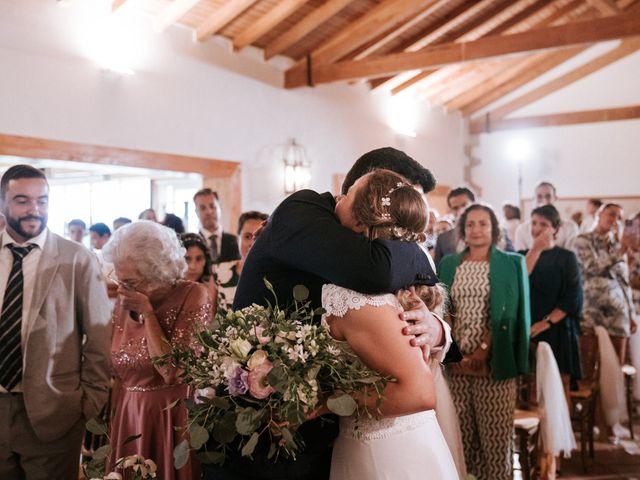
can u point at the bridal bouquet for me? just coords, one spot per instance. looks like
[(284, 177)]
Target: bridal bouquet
[(261, 373)]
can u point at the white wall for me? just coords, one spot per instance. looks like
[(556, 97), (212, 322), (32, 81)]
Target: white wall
[(180, 101), (594, 160)]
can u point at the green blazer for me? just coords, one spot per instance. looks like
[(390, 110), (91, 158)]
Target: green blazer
[(509, 309)]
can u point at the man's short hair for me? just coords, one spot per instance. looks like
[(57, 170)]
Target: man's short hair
[(547, 184), (205, 192), (100, 229), (122, 220), (461, 191), (390, 159), (16, 172), (251, 215), (76, 222), (596, 202)]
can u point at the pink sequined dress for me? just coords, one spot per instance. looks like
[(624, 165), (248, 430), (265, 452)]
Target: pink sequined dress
[(141, 397)]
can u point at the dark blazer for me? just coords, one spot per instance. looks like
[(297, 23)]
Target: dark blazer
[(446, 244), (229, 250), (509, 309), (304, 243)]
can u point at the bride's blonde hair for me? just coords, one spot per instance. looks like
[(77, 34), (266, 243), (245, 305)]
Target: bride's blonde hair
[(391, 208)]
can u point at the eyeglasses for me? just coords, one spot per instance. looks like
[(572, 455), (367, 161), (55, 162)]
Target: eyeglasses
[(129, 285)]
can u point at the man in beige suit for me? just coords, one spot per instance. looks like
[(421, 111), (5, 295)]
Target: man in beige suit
[(55, 335)]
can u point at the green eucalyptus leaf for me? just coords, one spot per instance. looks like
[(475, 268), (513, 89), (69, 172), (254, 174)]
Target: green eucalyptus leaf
[(172, 404), (343, 405), (250, 446), (97, 427), (198, 436), (288, 438), (102, 453), (272, 451), (277, 378), (131, 438), (211, 457), (181, 455), (300, 293), (225, 430), (248, 420)]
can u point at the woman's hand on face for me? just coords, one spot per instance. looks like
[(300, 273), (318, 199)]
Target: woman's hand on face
[(539, 327), (544, 241), (135, 301)]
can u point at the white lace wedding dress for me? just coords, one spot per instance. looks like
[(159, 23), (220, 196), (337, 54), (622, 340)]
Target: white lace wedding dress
[(409, 447)]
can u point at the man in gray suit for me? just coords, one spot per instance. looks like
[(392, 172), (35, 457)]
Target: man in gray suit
[(55, 336)]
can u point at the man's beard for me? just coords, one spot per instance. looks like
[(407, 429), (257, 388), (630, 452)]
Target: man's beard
[(14, 223)]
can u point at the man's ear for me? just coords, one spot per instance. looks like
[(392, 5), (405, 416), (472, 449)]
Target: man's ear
[(360, 227)]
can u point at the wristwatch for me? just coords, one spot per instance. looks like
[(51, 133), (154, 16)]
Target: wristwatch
[(547, 319)]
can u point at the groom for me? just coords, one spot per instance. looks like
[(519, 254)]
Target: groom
[(303, 243)]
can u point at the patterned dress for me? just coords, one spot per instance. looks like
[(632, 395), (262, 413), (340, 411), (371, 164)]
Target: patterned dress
[(605, 275), (485, 406), (140, 403)]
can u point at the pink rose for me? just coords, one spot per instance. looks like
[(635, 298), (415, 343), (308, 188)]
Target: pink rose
[(261, 338), (258, 385)]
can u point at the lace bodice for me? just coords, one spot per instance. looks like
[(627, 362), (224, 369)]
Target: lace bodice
[(337, 301)]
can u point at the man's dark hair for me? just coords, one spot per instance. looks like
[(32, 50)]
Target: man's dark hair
[(78, 223), (547, 184), (122, 220), (206, 192), (596, 202), (174, 222), (16, 172), (461, 191), (511, 211), (550, 213), (390, 159), (100, 229), (252, 215), (495, 226)]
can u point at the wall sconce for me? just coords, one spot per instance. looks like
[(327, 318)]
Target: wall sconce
[(297, 169)]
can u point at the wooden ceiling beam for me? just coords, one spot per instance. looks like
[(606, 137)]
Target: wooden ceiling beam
[(568, 118), (282, 10), (574, 33), (378, 20), (625, 49), (605, 7), (172, 13), (304, 27), (221, 17)]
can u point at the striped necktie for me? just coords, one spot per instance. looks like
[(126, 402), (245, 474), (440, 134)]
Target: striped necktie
[(11, 322), (214, 247)]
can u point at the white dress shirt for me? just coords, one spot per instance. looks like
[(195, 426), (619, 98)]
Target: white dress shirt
[(567, 233), (29, 266)]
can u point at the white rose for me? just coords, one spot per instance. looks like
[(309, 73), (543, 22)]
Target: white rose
[(229, 366), (240, 348)]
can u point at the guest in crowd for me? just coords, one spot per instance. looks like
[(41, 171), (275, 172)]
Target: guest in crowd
[(608, 299), (155, 309), (120, 222), (546, 194), (199, 263), (148, 214), (632, 233), (223, 247), (51, 388), (174, 222), (77, 229), (556, 294), (99, 234), (430, 232), (444, 224), (512, 219), (228, 273), (449, 242), (589, 220), (489, 311)]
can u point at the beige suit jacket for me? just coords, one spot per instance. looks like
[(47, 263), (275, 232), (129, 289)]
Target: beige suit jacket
[(66, 357)]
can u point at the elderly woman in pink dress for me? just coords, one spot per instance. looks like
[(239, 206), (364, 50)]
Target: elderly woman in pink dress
[(155, 309)]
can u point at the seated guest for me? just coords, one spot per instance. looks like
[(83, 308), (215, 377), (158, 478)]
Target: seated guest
[(120, 222), (223, 246), (489, 311), (77, 228), (148, 214), (228, 273), (155, 309), (174, 222), (608, 300), (556, 293)]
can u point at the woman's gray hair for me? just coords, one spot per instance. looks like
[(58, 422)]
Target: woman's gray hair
[(152, 249)]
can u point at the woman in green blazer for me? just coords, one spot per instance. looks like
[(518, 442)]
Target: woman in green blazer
[(490, 318)]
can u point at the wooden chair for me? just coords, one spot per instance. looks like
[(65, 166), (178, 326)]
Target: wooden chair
[(526, 426), (585, 400)]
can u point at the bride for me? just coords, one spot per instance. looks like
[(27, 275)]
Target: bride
[(405, 442)]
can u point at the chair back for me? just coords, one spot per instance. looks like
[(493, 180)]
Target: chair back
[(589, 356)]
